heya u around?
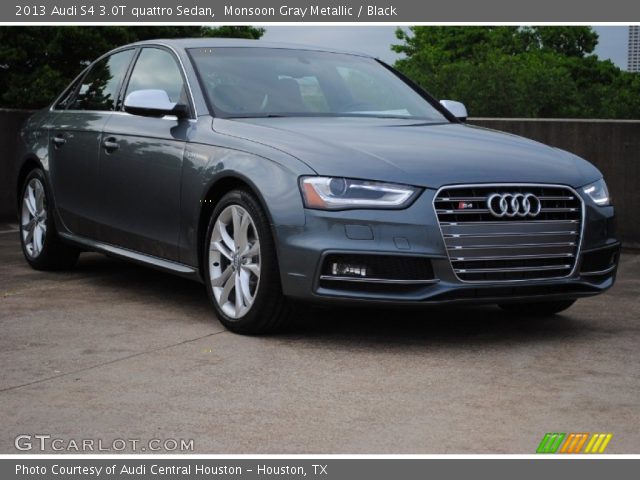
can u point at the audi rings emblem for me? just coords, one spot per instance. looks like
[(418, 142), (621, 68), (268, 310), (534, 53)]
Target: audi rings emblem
[(514, 205)]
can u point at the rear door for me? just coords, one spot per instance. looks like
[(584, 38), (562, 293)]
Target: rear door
[(141, 164), (74, 148)]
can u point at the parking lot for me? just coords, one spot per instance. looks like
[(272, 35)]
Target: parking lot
[(117, 351)]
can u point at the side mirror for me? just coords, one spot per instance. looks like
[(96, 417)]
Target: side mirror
[(456, 108), (153, 103)]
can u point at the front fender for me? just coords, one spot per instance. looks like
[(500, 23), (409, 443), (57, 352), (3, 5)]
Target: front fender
[(271, 174)]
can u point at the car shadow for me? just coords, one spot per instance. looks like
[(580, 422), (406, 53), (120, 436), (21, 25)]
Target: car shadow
[(443, 325), (452, 326), (145, 284)]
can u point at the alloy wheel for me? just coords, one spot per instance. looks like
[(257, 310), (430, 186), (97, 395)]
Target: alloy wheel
[(34, 218), (234, 261)]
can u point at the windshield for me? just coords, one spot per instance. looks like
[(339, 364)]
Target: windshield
[(262, 82)]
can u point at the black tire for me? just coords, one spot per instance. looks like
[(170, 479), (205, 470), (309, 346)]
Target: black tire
[(53, 254), (537, 308), (270, 310)]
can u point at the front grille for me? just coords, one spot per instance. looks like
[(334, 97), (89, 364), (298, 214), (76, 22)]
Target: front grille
[(485, 248)]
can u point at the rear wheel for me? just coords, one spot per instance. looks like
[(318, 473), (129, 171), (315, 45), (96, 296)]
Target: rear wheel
[(41, 246), (537, 308), (241, 272)]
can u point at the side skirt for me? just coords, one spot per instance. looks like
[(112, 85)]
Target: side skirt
[(133, 256)]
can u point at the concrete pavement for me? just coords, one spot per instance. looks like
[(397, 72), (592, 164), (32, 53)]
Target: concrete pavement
[(112, 350)]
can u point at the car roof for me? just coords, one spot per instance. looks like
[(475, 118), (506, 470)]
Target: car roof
[(186, 43)]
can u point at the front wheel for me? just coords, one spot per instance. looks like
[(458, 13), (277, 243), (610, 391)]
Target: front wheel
[(537, 308), (242, 275)]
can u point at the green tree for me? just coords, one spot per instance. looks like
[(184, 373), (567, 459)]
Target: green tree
[(507, 71), (569, 41), (36, 63)]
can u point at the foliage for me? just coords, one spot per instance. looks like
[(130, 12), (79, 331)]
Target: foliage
[(36, 63), (510, 71)]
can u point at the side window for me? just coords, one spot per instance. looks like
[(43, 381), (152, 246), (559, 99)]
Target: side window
[(68, 97), (99, 88), (156, 69)]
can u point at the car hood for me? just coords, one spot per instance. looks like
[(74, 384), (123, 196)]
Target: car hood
[(412, 152)]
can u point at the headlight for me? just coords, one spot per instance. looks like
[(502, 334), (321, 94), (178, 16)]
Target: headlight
[(598, 192), (328, 193)]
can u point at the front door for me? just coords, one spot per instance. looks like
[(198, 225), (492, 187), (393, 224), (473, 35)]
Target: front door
[(141, 164)]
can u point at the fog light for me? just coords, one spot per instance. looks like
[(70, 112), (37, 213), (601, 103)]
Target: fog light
[(348, 270)]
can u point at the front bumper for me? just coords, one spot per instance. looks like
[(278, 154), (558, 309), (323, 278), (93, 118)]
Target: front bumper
[(414, 233)]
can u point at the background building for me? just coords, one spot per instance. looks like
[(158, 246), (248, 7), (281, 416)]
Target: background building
[(633, 64)]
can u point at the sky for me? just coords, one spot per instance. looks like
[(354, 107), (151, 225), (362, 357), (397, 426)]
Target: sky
[(377, 39)]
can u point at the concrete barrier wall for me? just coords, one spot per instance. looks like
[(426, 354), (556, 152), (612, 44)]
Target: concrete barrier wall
[(613, 146)]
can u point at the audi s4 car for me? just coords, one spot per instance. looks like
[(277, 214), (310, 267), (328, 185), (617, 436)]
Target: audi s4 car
[(280, 174)]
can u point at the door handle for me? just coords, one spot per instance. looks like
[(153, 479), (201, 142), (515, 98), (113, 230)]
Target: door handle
[(110, 144), (58, 140)]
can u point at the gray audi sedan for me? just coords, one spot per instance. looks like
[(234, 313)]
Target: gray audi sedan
[(277, 174)]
